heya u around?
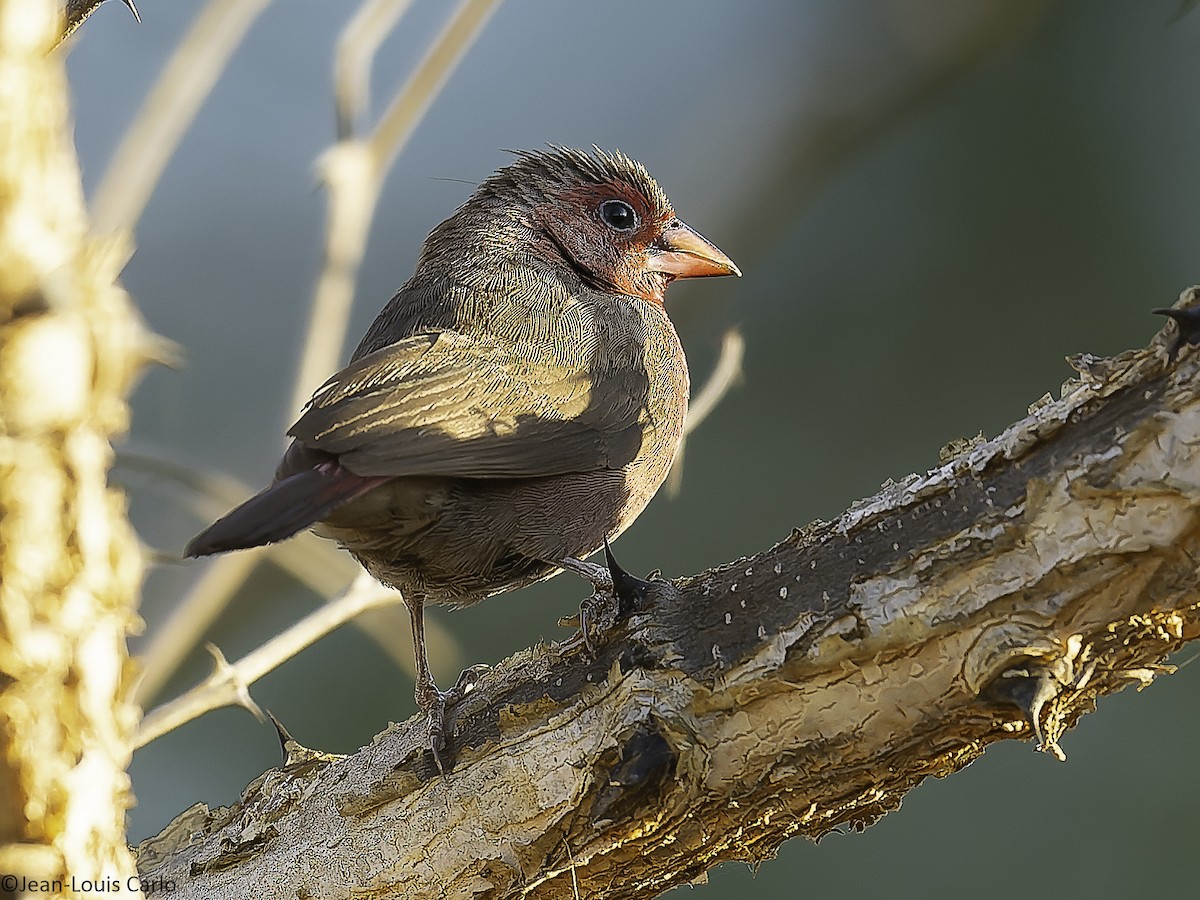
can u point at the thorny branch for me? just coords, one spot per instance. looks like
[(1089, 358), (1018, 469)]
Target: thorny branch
[(229, 685)]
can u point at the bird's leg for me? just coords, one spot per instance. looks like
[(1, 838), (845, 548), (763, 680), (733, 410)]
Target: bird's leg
[(430, 700), (601, 582)]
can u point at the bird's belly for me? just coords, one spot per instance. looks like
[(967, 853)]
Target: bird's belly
[(457, 541)]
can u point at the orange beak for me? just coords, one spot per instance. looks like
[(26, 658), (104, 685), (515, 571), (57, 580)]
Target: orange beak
[(682, 252)]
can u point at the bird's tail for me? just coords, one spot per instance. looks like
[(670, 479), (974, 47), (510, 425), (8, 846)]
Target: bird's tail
[(285, 508)]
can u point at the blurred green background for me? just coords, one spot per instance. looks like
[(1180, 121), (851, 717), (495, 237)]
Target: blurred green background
[(933, 203)]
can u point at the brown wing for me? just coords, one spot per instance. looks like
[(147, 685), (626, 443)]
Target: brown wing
[(444, 404)]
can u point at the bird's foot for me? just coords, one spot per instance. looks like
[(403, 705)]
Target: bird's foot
[(595, 615), (434, 704), (599, 577)]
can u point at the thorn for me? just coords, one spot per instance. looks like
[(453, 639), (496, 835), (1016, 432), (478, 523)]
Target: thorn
[(1187, 321), (158, 350), (133, 9), (285, 736), (293, 750), (630, 591)]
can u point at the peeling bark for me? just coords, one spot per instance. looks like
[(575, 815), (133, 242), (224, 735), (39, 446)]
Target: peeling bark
[(803, 689), (69, 565)]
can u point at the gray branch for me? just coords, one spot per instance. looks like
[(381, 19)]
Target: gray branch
[(803, 689)]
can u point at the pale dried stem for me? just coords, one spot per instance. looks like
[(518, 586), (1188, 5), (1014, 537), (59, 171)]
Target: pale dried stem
[(412, 101), (316, 564), (726, 373), (353, 188), (227, 685), (356, 48), (71, 347), (353, 172), (204, 602), (168, 110)]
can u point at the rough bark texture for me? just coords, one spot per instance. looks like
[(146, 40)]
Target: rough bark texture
[(806, 688), (69, 565)]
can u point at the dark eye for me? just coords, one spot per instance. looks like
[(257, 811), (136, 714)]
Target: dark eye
[(618, 215)]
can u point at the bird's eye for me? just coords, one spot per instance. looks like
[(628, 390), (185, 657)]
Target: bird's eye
[(618, 215)]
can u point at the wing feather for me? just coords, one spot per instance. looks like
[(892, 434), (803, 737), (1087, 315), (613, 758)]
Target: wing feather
[(442, 403)]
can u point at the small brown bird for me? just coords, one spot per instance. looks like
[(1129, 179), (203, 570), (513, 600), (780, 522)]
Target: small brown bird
[(516, 404)]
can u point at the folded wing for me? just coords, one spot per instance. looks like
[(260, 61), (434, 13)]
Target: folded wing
[(446, 404)]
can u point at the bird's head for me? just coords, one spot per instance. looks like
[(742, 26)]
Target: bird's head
[(604, 217)]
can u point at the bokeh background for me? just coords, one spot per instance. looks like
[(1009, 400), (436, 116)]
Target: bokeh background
[(933, 203)]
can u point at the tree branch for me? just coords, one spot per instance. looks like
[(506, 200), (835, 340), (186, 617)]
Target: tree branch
[(804, 689)]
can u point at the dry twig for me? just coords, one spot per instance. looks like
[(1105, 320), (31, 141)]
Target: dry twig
[(229, 683)]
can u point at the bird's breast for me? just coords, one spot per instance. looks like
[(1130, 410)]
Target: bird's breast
[(656, 356)]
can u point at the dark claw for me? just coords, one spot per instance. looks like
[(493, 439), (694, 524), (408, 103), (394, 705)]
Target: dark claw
[(434, 703), (467, 679), (133, 9), (588, 619), (435, 725), (631, 592), (1187, 321)]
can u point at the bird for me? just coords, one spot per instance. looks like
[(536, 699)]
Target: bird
[(514, 406)]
